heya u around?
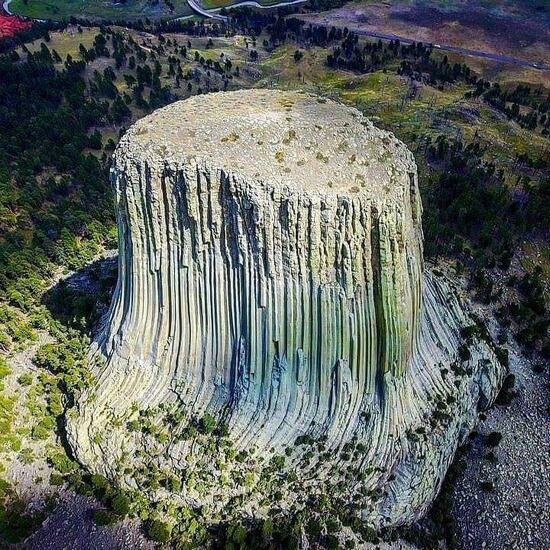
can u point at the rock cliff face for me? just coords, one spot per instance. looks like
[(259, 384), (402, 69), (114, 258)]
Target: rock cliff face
[(271, 281)]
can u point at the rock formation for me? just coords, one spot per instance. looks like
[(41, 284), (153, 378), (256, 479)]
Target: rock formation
[(271, 280)]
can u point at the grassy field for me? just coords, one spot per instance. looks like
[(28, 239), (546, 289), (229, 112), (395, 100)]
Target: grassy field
[(98, 9), (68, 42)]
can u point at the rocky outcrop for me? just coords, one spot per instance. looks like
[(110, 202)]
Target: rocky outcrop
[(271, 280)]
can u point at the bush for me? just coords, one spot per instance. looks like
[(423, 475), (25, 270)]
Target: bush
[(464, 353), (507, 392), (207, 424), (104, 517), (100, 482), (491, 457), (538, 368), (4, 368), (40, 432), (159, 531), (121, 504), (62, 463), (502, 356), (16, 522), (25, 379), (56, 479)]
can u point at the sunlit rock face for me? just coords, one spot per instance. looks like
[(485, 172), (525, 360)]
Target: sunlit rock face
[(271, 275)]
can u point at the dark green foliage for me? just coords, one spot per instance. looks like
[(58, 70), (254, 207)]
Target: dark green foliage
[(99, 483), (56, 479), (159, 531), (491, 457), (60, 192), (105, 517), (94, 141), (304, 440), (16, 524), (539, 368), (507, 392), (464, 353), (121, 504), (466, 201), (502, 356), (58, 358), (207, 424), (62, 463)]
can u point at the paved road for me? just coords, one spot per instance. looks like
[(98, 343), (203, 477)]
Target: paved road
[(6, 7), (213, 13), (197, 8)]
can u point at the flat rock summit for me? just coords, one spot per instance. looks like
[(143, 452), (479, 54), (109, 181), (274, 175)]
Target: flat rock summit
[(274, 334)]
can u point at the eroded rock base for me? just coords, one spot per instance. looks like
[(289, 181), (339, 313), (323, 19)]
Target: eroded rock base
[(386, 470)]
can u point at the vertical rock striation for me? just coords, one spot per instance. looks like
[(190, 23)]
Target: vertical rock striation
[(271, 275)]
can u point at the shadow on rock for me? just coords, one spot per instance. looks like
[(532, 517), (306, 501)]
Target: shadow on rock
[(80, 300)]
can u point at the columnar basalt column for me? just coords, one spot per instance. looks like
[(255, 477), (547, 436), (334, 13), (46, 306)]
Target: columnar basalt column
[(271, 275)]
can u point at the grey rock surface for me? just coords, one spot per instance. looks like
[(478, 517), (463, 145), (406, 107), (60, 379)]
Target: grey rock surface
[(271, 274)]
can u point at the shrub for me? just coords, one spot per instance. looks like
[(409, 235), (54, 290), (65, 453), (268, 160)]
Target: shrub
[(16, 522), (538, 368), (159, 531), (121, 504), (464, 353), (4, 368), (56, 479), (104, 517), (40, 432), (25, 379), (491, 457), (507, 392), (502, 356), (62, 463), (100, 482), (173, 484), (207, 424), (26, 456)]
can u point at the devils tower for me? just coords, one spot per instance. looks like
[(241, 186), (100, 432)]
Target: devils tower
[(271, 282)]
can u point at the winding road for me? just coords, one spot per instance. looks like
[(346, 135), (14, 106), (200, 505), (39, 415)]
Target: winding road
[(198, 9), (6, 7), (213, 13)]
